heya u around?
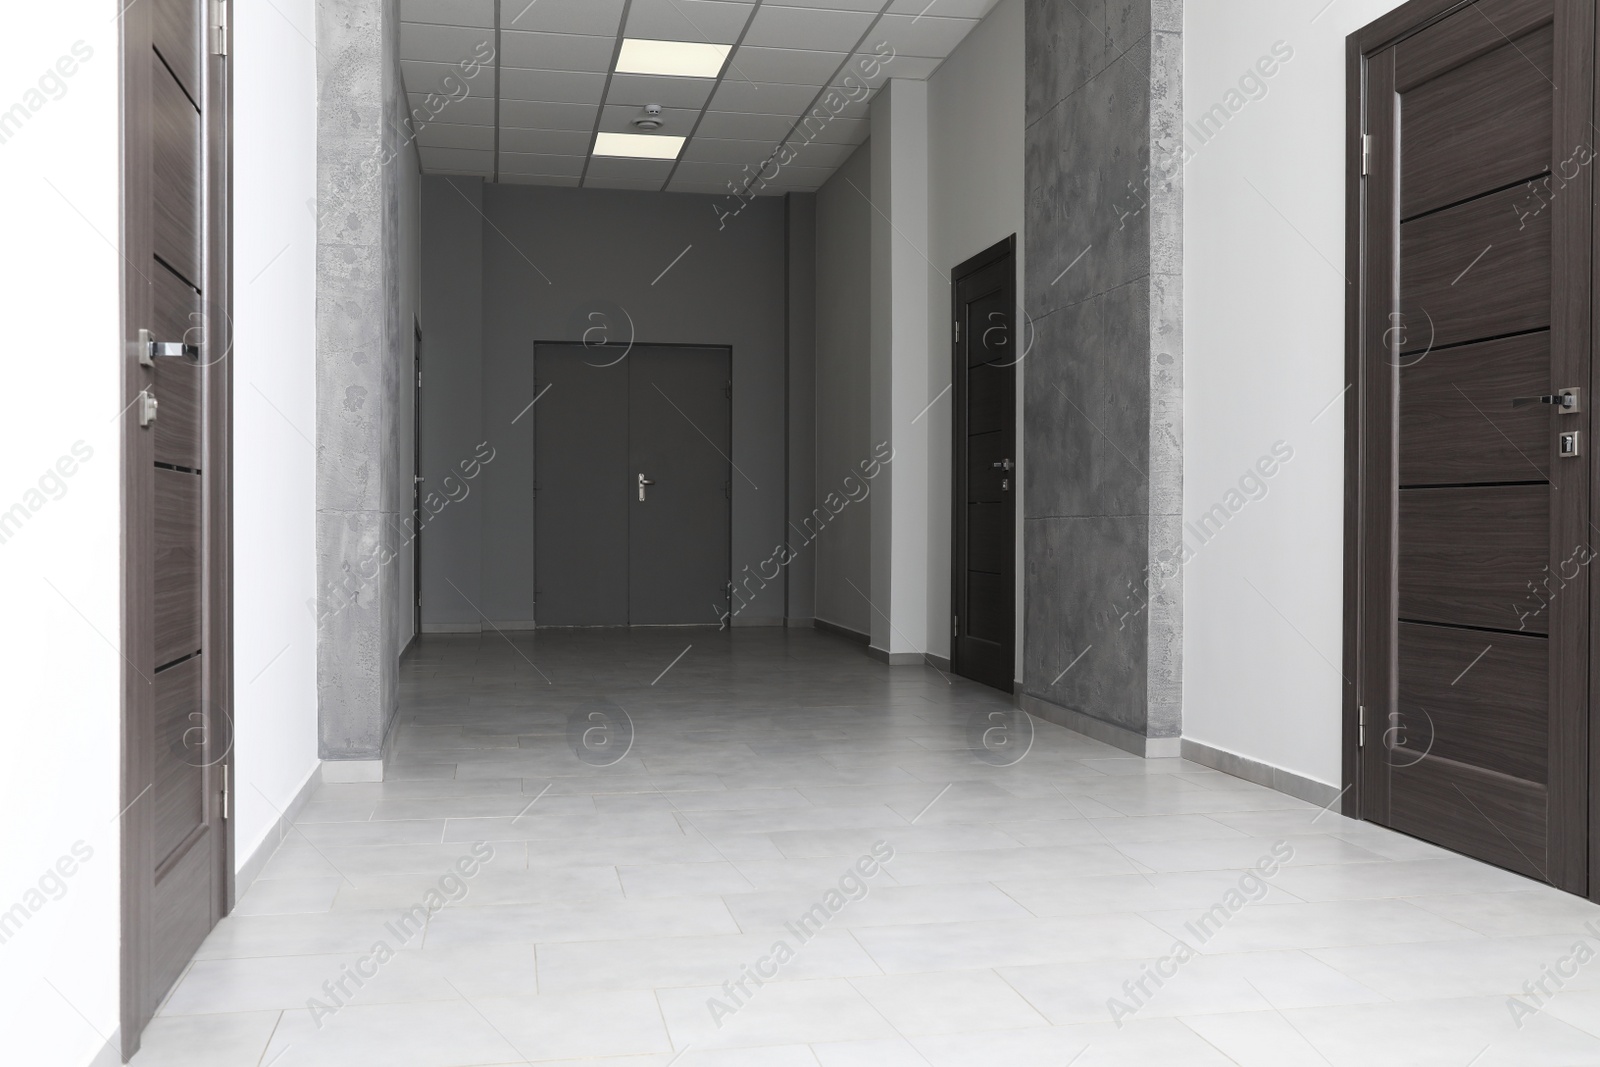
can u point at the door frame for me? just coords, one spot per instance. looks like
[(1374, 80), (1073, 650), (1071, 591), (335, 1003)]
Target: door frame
[(626, 347), (1360, 430), (1002, 250), (416, 485), (135, 827)]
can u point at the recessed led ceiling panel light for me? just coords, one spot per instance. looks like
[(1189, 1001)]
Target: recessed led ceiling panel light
[(638, 145), (678, 59)]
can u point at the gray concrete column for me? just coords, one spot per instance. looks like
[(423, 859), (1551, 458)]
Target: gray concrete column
[(360, 348), (1103, 383)]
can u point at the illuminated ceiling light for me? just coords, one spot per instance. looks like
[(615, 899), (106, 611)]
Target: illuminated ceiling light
[(678, 59), (638, 145)]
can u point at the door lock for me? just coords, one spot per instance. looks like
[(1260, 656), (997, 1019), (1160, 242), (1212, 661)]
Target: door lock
[(1004, 465), (1571, 444), (643, 481), (1566, 401), (147, 408)]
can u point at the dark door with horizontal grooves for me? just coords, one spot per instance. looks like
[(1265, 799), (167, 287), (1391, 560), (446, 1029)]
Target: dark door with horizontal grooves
[(1472, 590), (984, 476)]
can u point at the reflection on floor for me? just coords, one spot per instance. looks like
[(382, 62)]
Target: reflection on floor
[(801, 856)]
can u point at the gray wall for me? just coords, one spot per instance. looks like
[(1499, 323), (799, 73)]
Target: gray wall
[(1103, 385), (802, 360), (844, 387), (452, 395), (552, 259)]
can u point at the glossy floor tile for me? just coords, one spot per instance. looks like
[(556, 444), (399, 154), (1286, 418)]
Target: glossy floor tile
[(780, 852)]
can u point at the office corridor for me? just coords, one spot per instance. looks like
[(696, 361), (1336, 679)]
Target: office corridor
[(539, 881)]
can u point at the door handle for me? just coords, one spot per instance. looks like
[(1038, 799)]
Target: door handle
[(643, 481), (1004, 465), (1568, 401), (150, 349)]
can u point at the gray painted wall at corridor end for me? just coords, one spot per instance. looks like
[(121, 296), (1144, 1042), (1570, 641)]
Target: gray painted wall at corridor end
[(1103, 402), (556, 263)]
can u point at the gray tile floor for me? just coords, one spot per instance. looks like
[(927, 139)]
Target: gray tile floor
[(795, 855)]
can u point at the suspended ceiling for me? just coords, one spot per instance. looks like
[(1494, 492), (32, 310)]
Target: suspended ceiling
[(532, 113)]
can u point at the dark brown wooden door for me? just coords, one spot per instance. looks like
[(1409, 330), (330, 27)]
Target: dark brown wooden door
[(1475, 293), (984, 482), (177, 704)]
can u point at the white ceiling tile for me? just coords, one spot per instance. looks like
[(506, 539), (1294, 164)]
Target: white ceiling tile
[(874, 6), (712, 150), (456, 159), (965, 9), (736, 127), (446, 79), (474, 110), (444, 44), (699, 21), (698, 188), (916, 68), (753, 98), (714, 172), (448, 135), (449, 12), (550, 166), (641, 89), (641, 169), (798, 27), (591, 182), (552, 86), (792, 66), (548, 142), (792, 176), (618, 118), (834, 131), (537, 179), (818, 154), (556, 51), (930, 36), (598, 17), (530, 115)]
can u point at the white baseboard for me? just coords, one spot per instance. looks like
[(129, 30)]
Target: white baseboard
[(452, 627), (1108, 733), (805, 623), (250, 868), (741, 620), (1252, 770)]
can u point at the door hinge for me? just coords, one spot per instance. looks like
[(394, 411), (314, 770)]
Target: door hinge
[(727, 390), (419, 379), (727, 489), (224, 790), (1361, 730), (955, 626), (1366, 154), (958, 331), (219, 27)]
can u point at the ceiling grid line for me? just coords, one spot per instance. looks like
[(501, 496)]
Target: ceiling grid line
[(605, 94), (710, 96)]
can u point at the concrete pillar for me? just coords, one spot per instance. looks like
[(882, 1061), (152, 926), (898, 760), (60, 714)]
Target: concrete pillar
[(1103, 385), (360, 347), (900, 371)]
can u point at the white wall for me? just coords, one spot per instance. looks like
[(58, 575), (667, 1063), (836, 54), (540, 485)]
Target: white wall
[(1264, 337), (59, 573), (274, 405), (976, 188)]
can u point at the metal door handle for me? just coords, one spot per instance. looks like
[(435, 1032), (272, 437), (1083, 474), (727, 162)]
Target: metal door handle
[(1004, 465), (150, 349), (643, 481), (1569, 401)]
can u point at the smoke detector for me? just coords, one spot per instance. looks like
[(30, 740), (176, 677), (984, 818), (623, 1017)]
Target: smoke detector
[(650, 118)]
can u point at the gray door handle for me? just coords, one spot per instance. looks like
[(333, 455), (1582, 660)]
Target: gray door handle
[(150, 349), (643, 481)]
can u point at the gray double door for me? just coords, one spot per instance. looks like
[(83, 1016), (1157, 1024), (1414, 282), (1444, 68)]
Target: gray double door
[(631, 485)]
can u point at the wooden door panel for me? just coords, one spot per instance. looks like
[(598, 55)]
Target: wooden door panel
[(177, 566), (989, 399), (1457, 424), (1476, 271), (1466, 35), (1476, 698), (1483, 125), (181, 915), (989, 606), (177, 795), (175, 195), (176, 315), (985, 481), (989, 542), (1467, 555), (1491, 816), (175, 26)]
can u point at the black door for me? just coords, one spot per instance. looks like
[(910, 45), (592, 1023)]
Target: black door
[(984, 481)]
